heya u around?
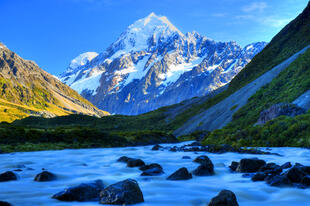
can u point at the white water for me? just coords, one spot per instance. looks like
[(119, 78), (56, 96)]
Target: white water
[(68, 166)]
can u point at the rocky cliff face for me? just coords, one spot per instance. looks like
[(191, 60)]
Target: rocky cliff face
[(26, 89), (152, 64)]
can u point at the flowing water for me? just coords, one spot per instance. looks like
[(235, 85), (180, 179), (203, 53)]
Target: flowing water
[(84, 165)]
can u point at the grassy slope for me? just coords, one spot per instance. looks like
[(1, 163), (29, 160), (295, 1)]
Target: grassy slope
[(283, 131), (25, 88), (291, 39)]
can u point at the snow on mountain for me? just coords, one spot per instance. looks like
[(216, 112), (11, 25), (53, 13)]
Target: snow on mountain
[(153, 64), (82, 59)]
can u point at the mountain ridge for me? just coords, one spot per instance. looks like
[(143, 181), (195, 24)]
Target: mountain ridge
[(152, 63), (26, 90)]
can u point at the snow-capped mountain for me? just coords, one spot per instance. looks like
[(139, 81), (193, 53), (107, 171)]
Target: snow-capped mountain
[(152, 64)]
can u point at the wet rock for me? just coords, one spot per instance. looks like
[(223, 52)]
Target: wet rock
[(18, 170), (186, 157), (8, 176), (224, 198), (295, 174), (250, 165), (126, 192), (206, 167), (306, 180), (135, 163), (3, 203), (45, 176), (150, 166), (81, 193), (277, 110), (203, 159), (123, 159), (286, 165), (259, 176), (271, 168), (156, 147), (233, 166), (278, 181), (180, 174), (151, 170), (204, 170)]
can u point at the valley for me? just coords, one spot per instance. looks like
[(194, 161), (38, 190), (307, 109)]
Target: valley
[(159, 117)]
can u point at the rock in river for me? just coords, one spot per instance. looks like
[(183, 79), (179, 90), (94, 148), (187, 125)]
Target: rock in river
[(126, 192), (135, 163), (3, 203), (206, 167), (81, 193), (250, 165), (224, 198), (45, 176), (180, 174), (8, 176), (151, 170)]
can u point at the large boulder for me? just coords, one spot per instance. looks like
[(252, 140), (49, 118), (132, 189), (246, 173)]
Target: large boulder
[(233, 166), (44, 176), (126, 192), (296, 174), (8, 176), (135, 163), (277, 110), (123, 159), (206, 167), (81, 193), (151, 170), (3, 203), (224, 198), (278, 181), (203, 159), (180, 174), (250, 165)]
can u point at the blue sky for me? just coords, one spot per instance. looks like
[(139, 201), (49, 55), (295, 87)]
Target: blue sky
[(53, 32)]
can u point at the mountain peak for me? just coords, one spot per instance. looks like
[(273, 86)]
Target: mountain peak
[(142, 35), (153, 21)]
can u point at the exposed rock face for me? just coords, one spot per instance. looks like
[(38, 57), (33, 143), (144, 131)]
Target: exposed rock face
[(81, 193), (180, 174), (303, 100), (153, 64), (37, 92), (224, 198), (45, 176), (8, 176), (126, 192), (277, 110), (220, 114)]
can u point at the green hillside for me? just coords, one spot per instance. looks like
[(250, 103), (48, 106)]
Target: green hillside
[(291, 39), (283, 131)]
